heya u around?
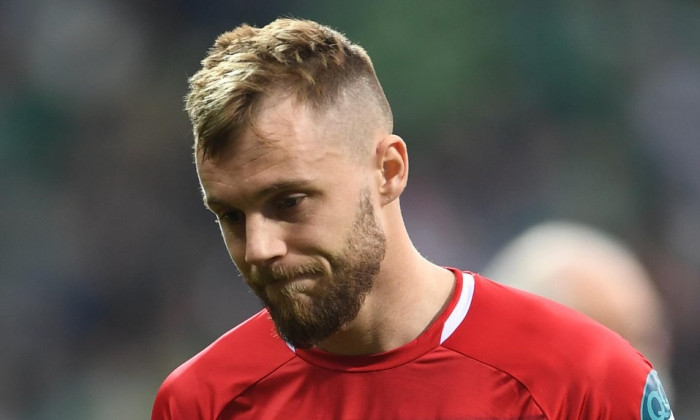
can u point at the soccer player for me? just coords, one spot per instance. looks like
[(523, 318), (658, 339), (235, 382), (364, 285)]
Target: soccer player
[(296, 156)]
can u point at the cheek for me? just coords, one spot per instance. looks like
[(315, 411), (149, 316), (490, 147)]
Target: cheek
[(325, 234), (303, 238), (235, 248)]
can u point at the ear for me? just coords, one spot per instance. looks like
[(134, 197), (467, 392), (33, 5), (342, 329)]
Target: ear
[(392, 163)]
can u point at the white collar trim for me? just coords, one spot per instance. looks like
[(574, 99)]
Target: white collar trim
[(460, 311)]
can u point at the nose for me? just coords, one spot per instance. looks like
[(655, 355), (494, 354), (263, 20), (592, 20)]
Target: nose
[(264, 240)]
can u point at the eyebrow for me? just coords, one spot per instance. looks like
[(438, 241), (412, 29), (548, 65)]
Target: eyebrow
[(275, 188)]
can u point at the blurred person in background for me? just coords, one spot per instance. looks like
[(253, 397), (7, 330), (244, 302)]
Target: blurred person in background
[(296, 156), (594, 273)]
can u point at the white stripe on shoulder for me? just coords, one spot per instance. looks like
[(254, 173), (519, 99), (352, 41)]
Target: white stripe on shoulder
[(460, 311)]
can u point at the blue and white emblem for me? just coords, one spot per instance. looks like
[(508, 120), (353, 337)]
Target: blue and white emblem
[(655, 405)]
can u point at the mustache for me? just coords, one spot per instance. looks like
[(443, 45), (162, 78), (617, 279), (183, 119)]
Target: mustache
[(280, 273)]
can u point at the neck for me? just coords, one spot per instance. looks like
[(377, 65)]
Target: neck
[(408, 295)]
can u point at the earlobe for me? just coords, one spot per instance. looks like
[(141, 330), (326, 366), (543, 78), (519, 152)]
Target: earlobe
[(392, 159)]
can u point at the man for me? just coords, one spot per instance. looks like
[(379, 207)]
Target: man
[(296, 157)]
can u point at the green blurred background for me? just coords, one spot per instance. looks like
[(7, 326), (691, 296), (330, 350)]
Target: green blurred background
[(112, 273)]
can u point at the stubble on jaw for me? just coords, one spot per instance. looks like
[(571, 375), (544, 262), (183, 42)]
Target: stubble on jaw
[(305, 316)]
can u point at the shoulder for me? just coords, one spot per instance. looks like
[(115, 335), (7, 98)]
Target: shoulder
[(500, 314), (558, 354), (203, 385)]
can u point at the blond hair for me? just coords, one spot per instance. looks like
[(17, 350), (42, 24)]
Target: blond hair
[(314, 63)]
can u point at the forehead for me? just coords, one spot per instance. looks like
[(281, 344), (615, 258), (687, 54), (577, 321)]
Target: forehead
[(289, 141), (282, 126)]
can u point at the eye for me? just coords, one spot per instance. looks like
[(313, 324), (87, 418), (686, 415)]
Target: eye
[(231, 217), (289, 202)]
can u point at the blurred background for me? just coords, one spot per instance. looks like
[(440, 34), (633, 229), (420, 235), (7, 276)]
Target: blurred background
[(112, 273)]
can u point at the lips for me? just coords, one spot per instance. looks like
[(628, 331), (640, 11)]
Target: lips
[(279, 283), (285, 274)]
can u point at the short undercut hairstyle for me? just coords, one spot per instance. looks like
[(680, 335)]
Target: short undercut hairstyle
[(315, 64)]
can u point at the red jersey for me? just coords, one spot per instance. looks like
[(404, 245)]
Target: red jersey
[(494, 353)]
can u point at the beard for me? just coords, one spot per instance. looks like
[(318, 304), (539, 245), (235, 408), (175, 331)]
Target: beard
[(304, 316)]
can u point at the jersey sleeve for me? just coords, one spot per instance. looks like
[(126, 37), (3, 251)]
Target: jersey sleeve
[(202, 387), (573, 367), (178, 398)]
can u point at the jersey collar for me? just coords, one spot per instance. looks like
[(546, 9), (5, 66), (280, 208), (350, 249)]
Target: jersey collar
[(439, 331)]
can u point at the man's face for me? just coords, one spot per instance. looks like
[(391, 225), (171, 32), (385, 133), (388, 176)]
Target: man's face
[(297, 215)]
